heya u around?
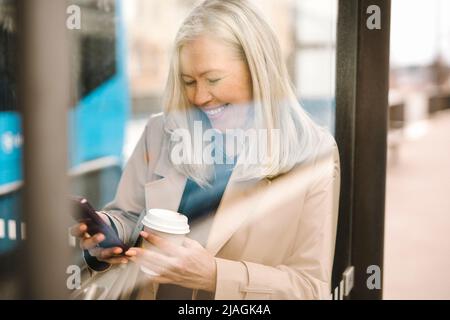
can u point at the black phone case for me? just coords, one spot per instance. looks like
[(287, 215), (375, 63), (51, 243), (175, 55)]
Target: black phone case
[(84, 212)]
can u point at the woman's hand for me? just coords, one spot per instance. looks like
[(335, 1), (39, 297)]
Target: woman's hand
[(87, 242), (189, 266)]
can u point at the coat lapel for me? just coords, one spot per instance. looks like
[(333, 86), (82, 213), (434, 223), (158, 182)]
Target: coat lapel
[(239, 202), (165, 192)]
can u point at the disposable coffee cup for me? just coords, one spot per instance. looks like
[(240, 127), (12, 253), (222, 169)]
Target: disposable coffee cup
[(166, 224)]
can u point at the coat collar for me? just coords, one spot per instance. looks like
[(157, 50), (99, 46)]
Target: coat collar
[(166, 191)]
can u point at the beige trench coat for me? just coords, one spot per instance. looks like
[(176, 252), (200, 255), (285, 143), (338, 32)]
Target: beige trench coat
[(272, 239)]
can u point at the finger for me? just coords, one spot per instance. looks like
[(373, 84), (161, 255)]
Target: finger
[(160, 263), (149, 266), (159, 279), (164, 245), (162, 271), (95, 252), (155, 261), (115, 260), (152, 256), (110, 252), (189, 243), (132, 252), (78, 230), (89, 243)]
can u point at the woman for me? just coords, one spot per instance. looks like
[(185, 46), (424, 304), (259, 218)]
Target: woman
[(261, 229)]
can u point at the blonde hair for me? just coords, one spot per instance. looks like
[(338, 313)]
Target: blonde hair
[(240, 25)]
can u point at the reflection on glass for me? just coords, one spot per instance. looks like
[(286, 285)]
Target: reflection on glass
[(263, 224), (99, 100), (316, 52), (102, 55)]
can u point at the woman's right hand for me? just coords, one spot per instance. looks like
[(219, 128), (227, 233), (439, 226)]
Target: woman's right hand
[(90, 243)]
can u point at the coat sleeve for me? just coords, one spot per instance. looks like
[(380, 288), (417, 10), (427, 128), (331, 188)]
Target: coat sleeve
[(124, 210), (129, 201), (306, 273)]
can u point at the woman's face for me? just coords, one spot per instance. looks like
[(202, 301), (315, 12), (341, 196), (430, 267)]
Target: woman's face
[(217, 81)]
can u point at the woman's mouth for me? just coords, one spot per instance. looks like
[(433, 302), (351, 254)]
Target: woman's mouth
[(214, 113)]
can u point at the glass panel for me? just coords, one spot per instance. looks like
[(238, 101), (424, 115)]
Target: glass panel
[(119, 65), (100, 93), (99, 101), (316, 58), (100, 104)]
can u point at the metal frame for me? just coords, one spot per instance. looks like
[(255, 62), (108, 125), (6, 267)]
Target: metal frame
[(346, 56), (361, 128), (361, 125)]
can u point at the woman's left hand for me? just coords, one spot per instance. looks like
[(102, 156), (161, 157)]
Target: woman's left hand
[(189, 266)]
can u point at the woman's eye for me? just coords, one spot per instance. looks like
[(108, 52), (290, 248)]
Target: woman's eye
[(213, 81), (189, 83)]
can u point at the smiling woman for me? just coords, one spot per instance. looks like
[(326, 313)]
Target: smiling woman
[(217, 81), (227, 61), (263, 229)]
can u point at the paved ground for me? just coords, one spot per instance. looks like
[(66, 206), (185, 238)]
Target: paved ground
[(417, 232)]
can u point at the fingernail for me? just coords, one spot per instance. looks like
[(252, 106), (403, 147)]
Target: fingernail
[(124, 261), (144, 234), (100, 237), (130, 253), (118, 250)]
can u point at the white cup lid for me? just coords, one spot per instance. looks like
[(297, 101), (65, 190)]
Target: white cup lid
[(166, 221)]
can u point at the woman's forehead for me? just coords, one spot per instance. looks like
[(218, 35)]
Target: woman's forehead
[(206, 55)]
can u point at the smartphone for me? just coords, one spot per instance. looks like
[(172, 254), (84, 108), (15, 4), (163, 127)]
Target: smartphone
[(85, 213)]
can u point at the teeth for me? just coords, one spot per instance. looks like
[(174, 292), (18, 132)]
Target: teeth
[(215, 111)]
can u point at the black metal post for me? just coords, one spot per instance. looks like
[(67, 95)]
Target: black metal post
[(361, 128)]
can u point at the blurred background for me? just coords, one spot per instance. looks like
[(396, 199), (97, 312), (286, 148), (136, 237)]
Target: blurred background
[(119, 61), (417, 218)]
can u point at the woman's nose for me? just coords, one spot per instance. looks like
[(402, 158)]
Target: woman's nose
[(201, 96)]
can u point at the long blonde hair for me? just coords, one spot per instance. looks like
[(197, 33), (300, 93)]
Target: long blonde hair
[(240, 25)]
